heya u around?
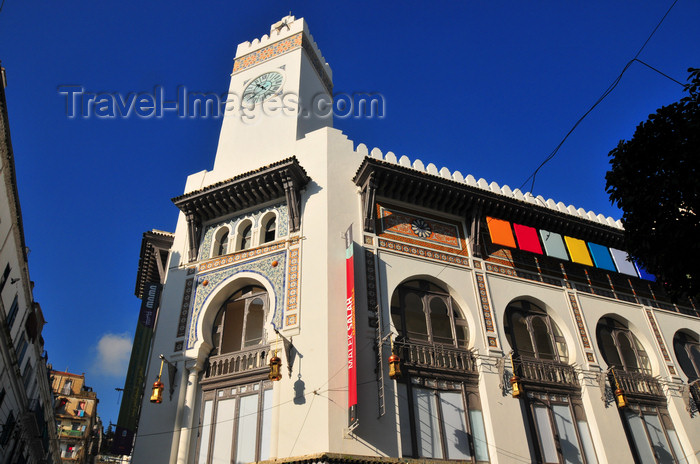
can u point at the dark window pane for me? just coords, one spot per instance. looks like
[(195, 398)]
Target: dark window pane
[(440, 321), (521, 335), (254, 322), (415, 317), (222, 244), (246, 237), (233, 327), (543, 339), (629, 357), (608, 348), (270, 230)]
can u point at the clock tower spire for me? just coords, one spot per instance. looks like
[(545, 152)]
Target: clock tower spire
[(281, 89)]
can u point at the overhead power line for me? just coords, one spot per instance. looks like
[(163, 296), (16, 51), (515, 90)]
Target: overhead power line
[(607, 92)]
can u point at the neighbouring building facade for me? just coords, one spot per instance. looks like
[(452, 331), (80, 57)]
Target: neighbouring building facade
[(418, 313), (27, 432), (79, 427)]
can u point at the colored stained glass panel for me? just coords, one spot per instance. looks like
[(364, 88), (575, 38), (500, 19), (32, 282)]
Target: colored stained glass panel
[(578, 251), (553, 245), (644, 274), (623, 262), (527, 238), (601, 257), (500, 232)]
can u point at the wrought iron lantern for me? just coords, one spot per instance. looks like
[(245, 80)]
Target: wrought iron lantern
[(157, 395), (516, 386), (620, 396), (158, 387), (394, 367), (515, 383), (275, 368)]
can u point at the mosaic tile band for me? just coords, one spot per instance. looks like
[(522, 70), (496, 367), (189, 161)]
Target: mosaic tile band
[(657, 333), (485, 305), (267, 53), (423, 253), (293, 288), (262, 266), (185, 308), (579, 320)]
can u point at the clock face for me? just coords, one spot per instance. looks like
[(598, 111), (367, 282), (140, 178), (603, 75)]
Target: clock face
[(262, 87)]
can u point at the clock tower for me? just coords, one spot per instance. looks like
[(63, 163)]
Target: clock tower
[(281, 89)]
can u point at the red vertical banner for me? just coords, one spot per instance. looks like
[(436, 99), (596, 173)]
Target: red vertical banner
[(350, 325)]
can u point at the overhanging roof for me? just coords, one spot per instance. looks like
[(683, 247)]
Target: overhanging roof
[(153, 244), (244, 191), (408, 185)]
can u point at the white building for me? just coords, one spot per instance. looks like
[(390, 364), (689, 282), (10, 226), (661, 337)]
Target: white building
[(470, 282), (27, 429)]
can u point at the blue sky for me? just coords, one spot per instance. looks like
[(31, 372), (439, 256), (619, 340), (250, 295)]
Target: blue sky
[(487, 88)]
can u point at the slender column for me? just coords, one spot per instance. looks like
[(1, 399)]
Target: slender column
[(188, 411)]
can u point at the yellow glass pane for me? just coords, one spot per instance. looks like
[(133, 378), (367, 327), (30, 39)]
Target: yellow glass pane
[(578, 251)]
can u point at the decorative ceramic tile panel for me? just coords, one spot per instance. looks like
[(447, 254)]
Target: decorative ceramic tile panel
[(262, 266), (240, 256), (293, 287), (657, 333), (420, 229), (267, 53), (369, 240), (179, 345), (185, 307), (672, 370), (485, 305), (492, 341), (579, 320), (371, 277), (254, 217), (423, 253), (589, 357)]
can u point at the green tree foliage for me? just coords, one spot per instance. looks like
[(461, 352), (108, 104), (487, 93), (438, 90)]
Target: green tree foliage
[(654, 180)]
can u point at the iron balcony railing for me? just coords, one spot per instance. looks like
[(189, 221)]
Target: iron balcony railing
[(435, 357), (545, 372), (71, 433), (239, 362), (636, 383)]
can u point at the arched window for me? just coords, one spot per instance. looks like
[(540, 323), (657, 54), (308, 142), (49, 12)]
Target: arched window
[(557, 421), (647, 424), (270, 230), (236, 413), (240, 322), (245, 235), (620, 348), (439, 407), (533, 334), (687, 350), (221, 242), (421, 311)]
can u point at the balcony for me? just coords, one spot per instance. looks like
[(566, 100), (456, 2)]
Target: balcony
[(435, 358), (636, 384), (71, 433), (546, 373), (695, 392), (34, 423), (237, 364)]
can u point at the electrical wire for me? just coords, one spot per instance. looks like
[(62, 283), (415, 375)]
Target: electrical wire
[(607, 92)]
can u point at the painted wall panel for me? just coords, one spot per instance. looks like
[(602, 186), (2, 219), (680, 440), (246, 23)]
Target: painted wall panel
[(500, 232), (553, 245), (578, 251), (527, 238)]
